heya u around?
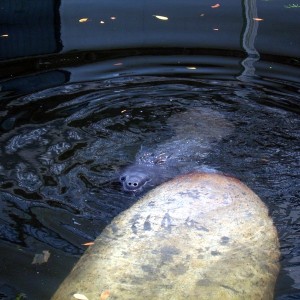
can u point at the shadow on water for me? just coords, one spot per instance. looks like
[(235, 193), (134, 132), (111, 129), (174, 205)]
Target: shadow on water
[(71, 122)]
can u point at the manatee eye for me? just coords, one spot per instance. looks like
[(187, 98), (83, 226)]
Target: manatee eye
[(123, 178)]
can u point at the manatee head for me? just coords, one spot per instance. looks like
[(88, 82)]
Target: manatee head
[(135, 178)]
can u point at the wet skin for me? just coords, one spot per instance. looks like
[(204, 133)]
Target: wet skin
[(135, 178), (196, 131)]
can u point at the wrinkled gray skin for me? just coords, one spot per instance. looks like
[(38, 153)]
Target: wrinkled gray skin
[(196, 131), (150, 169), (136, 177)]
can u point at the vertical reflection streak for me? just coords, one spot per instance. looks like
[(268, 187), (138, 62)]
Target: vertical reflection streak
[(248, 39)]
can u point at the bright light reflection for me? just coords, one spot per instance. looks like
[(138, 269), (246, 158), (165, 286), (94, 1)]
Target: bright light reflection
[(191, 68), (83, 20), (163, 18), (4, 35)]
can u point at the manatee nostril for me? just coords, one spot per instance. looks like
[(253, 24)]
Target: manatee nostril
[(135, 184)]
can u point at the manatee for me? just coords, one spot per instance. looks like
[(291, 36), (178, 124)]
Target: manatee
[(195, 132), (198, 236)]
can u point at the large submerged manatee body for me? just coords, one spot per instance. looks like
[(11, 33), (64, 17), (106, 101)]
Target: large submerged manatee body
[(195, 133), (198, 236)]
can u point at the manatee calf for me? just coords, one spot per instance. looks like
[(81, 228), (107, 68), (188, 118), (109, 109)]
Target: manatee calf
[(197, 236), (195, 132)]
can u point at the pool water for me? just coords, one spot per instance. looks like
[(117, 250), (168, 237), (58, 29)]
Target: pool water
[(75, 114)]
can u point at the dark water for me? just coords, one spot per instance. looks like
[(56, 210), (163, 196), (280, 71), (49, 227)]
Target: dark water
[(70, 122)]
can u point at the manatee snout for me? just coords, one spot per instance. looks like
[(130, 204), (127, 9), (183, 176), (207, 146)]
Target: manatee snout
[(134, 179)]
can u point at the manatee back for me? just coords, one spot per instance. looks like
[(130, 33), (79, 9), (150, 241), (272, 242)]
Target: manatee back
[(198, 236)]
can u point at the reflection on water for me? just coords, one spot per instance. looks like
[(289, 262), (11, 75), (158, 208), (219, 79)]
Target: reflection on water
[(62, 148), (65, 26)]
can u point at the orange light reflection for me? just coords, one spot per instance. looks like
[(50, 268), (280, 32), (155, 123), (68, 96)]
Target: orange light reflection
[(83, 20)]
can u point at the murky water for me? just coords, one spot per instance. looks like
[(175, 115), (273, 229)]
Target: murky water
[(62, 148)]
